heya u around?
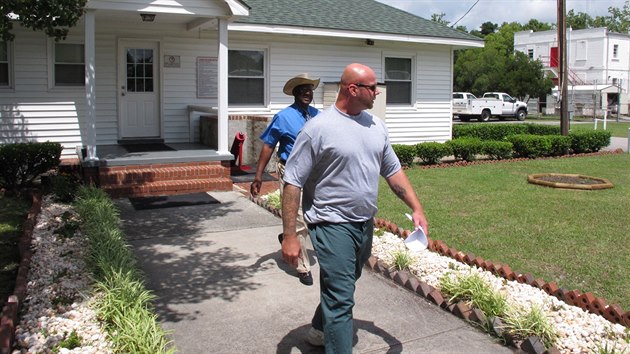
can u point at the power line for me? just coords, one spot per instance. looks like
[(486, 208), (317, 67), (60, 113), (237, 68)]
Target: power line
[(473, 5)]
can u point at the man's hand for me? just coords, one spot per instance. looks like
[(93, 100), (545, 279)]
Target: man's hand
[(254, 188), (291, 249)]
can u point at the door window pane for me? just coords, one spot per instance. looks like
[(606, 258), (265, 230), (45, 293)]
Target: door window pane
[(139, 70), (246, 77)]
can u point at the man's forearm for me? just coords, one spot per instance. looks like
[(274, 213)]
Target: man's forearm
[(290, 207)]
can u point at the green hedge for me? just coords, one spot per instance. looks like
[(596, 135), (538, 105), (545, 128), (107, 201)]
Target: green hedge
[(431, 153), (533, 146), (466, 148), (589, 141), (497, 150), (406, 153), (23, 162), (499, 132)]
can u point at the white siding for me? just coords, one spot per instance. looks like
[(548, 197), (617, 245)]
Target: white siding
[(33, 111)]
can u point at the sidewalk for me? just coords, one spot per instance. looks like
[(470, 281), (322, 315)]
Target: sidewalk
[(222, 287)]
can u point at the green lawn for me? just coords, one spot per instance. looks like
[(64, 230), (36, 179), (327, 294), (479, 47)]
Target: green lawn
[(580, 239), (12, 215), (618, 129)]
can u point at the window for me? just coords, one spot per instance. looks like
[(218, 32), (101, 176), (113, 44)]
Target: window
[(616, 51), (69, 64), (530, 54), (581, 51), (398, 80), (4, 65), (246, 77)]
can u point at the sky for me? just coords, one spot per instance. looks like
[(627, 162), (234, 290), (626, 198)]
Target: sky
[(499, 11)]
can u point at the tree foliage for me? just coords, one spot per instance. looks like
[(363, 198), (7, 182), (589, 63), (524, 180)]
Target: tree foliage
[(53, 17)]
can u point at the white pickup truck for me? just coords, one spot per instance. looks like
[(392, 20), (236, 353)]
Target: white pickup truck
[(497, 104)]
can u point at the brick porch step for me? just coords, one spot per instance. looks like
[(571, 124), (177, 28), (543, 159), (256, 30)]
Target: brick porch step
[(164, 179)]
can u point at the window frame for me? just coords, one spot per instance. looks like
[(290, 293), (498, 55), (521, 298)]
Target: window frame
[(615, 53), (10, 69), (264, 77), (412, 79), (52, 84), (531, 53)]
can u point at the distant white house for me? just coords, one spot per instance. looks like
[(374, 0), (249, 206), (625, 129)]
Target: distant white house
[(598, 62), (144, 69)]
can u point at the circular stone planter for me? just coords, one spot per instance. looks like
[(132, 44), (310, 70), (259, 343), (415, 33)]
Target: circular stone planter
[(561, 180)]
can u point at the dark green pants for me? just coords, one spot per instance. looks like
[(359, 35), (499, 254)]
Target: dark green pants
[(342, 250)]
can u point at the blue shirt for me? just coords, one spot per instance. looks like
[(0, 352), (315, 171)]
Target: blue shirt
[(285, 127)]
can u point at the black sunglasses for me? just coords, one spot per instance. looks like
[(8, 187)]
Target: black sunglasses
[(369, 87)]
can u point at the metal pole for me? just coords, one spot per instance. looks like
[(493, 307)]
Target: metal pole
[(562, 46)]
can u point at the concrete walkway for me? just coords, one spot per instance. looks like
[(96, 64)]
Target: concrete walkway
[(222, 287)]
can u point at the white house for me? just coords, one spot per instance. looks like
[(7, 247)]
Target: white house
[(598, 61), (146, 70)]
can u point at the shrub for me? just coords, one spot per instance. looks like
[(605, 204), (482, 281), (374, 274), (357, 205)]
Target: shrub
[(589, 141), (432, 153), (497, 150), (23, 162), (560, 145), (64, 187), (530, 146), (465, 148), (501, 131), (405, 153)]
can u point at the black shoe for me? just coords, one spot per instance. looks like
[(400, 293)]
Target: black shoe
[(306, 278), (280, 238)]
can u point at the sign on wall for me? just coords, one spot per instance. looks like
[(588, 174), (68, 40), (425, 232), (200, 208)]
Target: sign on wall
[(207, 73), (171, 61)]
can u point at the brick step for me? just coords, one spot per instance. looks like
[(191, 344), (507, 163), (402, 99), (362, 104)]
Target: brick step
[(172, 187), (139, 174)]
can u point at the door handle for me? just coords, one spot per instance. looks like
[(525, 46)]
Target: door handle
[(124, 91)]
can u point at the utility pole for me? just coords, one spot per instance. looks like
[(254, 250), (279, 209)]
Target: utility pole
[(563, 77)]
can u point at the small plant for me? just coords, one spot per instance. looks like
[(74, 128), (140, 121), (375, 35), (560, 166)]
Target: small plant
[(273, 200), (71, 342), (379, 232), (402, 259), (532, 323), (62, 300), (64, 187), (605, 349), (69, 226), (473, 289)]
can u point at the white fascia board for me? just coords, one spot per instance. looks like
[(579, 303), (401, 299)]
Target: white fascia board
[(309, 31), (158, 7)]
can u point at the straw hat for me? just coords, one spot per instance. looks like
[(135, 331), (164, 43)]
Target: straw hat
[(300, 79)]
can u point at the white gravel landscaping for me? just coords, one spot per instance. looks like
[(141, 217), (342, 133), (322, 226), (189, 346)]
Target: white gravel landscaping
[(59, 291), (579, 331)]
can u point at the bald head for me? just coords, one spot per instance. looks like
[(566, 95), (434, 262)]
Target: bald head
[(356, 72)]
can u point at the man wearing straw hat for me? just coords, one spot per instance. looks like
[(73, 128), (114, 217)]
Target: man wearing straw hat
[(283, 129)]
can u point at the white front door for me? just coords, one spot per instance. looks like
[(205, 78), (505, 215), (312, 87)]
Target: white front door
[(138, 89)]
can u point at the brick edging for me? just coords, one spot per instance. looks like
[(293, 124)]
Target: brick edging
[(586, 301), (9, 318)]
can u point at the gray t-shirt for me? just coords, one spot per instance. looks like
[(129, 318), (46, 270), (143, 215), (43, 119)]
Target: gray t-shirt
[(337, 160)]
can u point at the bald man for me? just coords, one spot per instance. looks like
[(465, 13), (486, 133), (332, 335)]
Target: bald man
[(336, 162)]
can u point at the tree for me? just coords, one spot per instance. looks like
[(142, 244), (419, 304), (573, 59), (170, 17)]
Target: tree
[(537, 26), (439, 18), (488, 28), (579, 21), (54, 17), (619, 19), (497, 68)]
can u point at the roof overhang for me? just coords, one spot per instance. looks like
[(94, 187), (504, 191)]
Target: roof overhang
[(322, 32)]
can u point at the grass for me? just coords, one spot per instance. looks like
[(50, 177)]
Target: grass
[(618, 129), (580, 239), (13, 212)]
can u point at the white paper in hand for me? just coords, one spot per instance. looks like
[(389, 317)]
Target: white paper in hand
[(416, 241)]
